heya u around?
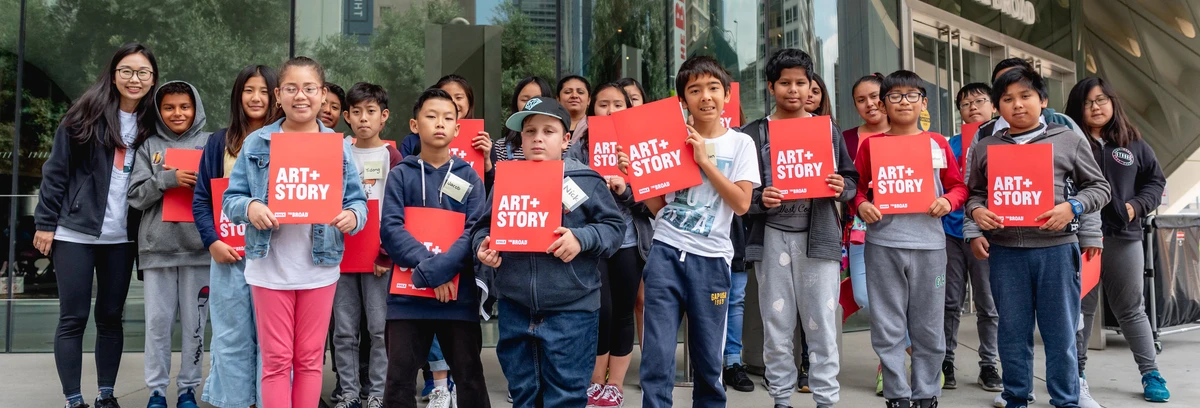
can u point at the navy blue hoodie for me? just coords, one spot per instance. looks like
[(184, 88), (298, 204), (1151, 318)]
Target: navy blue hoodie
[(418, 184), (542, 282)]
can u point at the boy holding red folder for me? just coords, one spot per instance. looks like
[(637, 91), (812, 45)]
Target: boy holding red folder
[(549, 300), (434, 179), (795, 244), (1037, 268), (173, 260), (906, 252)]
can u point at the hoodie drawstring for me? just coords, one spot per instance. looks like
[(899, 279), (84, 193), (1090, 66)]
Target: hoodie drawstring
[(421, 164)]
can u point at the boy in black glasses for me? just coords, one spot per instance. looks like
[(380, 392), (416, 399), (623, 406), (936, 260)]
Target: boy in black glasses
[(906, 254)]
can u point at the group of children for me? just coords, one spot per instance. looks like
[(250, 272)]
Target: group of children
[(567, 315)]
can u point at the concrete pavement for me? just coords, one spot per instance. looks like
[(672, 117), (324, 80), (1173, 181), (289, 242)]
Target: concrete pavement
[(30, 380)]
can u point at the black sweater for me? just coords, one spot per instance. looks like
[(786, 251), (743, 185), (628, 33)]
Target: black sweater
[(1135, 178)]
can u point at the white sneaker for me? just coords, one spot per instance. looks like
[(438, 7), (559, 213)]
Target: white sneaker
[(440, 398), (1085, 395), (999, 402)]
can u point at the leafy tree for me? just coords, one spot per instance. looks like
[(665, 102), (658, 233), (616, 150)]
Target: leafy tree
[(521, 55), (639, 24)]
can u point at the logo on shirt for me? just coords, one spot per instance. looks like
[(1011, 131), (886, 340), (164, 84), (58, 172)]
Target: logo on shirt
[(158, 158), (1123, 156)]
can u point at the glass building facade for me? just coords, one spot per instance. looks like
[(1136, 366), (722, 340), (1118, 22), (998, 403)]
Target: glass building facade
[(52, 50)]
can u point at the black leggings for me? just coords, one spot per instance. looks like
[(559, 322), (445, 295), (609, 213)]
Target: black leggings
[(74, 265), (620, 277)]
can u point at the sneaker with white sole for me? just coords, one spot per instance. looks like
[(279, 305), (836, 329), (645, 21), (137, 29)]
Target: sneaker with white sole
[(1085, 395), (440, 398), (593, 393), (610, 397), (374, 402)]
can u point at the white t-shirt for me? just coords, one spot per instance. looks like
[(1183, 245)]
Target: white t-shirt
[(113, 230), (373, 166), (696, 220), (289, 262)]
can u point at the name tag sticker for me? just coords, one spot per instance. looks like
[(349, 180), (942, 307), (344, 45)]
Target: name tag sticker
[(573, 196), (456, 187), (939, 158), (372, 170)]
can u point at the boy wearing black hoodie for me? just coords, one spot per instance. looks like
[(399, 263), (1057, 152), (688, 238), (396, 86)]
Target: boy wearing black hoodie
[(549, 302), (413, 321), (173, 260)]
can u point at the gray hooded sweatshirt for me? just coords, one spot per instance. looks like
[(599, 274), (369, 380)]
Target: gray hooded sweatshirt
[(165, 244)]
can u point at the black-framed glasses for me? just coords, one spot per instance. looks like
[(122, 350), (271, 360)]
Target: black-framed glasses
[(912, 97), (142, 74), (1098, 102), (978, 102)]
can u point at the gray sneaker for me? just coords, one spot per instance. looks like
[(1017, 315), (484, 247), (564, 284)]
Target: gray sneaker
[(374, 402)]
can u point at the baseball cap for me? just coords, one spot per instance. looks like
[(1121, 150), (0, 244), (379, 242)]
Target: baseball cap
[(539, 106)]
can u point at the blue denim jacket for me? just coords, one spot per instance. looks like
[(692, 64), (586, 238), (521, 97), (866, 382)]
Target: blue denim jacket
[(248, 183)]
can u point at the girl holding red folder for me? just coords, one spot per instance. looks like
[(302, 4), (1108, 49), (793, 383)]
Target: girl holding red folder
[(233, 378), (292, 269)]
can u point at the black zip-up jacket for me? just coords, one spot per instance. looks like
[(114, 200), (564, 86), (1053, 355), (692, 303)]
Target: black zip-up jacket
[(74, 188), (1135, 178), (824, 225)]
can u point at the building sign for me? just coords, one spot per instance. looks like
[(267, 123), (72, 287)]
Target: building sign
[(357, 19), (1021, 10), (679, 37)]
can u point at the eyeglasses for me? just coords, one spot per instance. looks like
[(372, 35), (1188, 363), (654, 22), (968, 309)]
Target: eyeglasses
[(1098, 102), (978, 102), (127, 73), (308, 90), (913, 97)]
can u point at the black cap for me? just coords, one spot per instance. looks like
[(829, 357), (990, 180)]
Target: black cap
[(539, 106)]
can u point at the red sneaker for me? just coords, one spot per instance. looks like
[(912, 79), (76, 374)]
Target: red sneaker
[(610, 397)]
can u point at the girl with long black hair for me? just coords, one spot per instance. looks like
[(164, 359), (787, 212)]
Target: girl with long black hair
[(232, 379), (82, 217), (1137, 182), (531, 87)]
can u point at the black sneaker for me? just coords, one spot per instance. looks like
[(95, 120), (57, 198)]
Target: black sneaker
[(802, 380), (989, 379), (110, 402), (735, 376), (948, 372), (782, 406), (925, 403), (898, 403)]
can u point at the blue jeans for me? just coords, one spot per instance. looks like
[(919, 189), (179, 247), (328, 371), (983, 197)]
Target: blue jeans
[(547, 357), (1039, 284), (858, 277), (679, 284), (733, 327), (236, 366), (436, 361)]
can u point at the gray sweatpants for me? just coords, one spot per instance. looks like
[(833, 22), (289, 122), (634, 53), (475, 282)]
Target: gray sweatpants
[(791, 284), (359, 293), (961, 265), (1122, 277), (904, 286), (169, 290)]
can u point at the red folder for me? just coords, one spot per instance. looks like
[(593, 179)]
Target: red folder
[(655, 138), (461, 147), (902, 170), (177, 202), (231, 234), (437, 229), (527, 205), (306, 177), (802, 157), (1020, 183), (362, 248)]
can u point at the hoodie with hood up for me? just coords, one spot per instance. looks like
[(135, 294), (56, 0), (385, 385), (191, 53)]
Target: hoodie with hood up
[(166, 244)]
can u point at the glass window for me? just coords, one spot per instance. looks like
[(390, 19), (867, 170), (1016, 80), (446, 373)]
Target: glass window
[(67, 45)]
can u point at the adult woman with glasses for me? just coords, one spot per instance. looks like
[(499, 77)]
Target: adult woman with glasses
[(83, 219), (1131, 168)]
